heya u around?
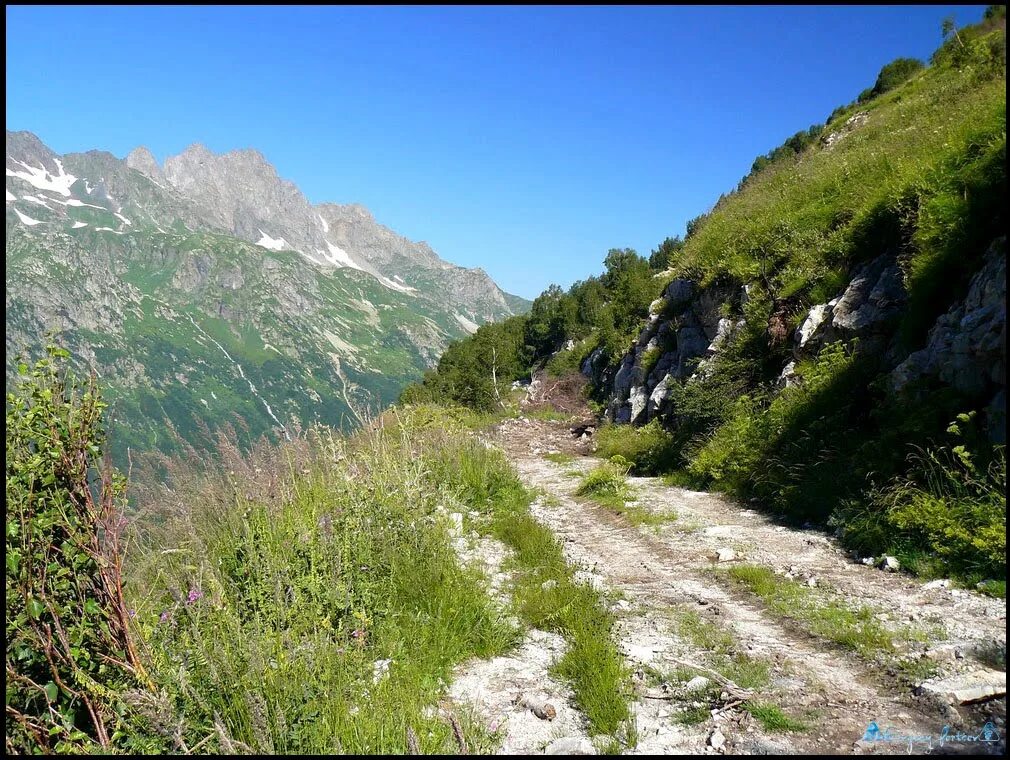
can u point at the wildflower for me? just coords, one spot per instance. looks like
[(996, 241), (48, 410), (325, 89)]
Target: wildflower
[(194, 594), (132, 613), (165, 615)]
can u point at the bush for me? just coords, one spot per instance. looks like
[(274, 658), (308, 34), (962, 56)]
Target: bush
[(608, 482), (948, 514), (897, 72), (70, 653), (649, 449)]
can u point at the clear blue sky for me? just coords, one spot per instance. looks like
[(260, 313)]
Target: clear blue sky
[(526, 140)]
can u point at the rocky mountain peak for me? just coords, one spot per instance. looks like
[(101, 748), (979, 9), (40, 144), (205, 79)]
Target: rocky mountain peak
[(141, 159), (25, 147)]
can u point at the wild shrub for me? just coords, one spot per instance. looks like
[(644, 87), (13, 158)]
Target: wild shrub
[(649, 449), (71, 654), (310, 600), (607, 483), (948, 513)]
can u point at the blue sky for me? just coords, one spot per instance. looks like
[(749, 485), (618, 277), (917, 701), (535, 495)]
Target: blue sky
[(525, 140)]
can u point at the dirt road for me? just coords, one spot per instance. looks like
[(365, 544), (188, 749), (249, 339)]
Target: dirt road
[(661, 575)]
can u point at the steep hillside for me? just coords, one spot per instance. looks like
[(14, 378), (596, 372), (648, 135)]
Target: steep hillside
[(829, 341), (210, 293)]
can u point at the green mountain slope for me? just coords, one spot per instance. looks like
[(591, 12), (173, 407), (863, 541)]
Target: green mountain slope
[(200, 321)]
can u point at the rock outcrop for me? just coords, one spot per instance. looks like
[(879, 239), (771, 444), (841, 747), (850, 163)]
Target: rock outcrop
[(966, 348), (687, 329)]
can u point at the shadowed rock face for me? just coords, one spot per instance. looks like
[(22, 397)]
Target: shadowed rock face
[(209, 288), (966, 348)]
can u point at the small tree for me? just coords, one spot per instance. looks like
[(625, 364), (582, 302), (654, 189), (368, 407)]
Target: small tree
[(70, 655)]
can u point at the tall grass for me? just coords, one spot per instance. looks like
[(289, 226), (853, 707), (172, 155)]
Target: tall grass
[(947, 515), (311, 603)]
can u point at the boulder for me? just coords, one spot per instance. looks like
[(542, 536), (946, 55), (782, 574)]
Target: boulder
[(811, 332), (874, 297), (658, 396), (697, 683), (890, 564), (638, 399), (788, 377), (716, 739), (691, 344)]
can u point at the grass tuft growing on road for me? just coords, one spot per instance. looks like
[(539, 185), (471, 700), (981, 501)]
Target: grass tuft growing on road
[(546, 593), (773, 719), (854, 628)]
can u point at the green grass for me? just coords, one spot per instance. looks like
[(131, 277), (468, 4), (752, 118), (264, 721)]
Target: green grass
[(693, 716), (722, 652), (607, 485), (773, 719), (545, 592), (851, 627), (547, 414), (648, 449), (559, 457), (993, 588), (947, 518), (265, 609)]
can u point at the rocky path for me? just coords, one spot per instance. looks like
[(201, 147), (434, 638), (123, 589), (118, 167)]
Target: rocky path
[(661, 575)]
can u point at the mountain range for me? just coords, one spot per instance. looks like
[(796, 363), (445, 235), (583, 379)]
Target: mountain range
[(208, 293)]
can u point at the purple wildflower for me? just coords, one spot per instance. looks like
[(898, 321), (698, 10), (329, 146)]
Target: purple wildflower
[(194, 594), (165, 616)]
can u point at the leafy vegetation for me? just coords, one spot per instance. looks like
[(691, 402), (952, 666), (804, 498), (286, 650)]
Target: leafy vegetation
[(920, 176), (70, 650), (607, 483), (600, 313), (949, 511), (773, 719)]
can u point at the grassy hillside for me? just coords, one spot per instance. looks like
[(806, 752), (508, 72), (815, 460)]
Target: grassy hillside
[(914, 168)]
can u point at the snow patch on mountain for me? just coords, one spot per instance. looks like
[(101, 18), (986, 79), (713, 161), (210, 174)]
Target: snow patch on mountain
[(339, 257), (395, 285), (78, 225), (27, 219), (273, 244), (11, 196), (41, 178), (77, 203)]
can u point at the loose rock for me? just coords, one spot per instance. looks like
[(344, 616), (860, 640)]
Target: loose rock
[(545, 711), (697, 683), (570, 745), (716, 740), (890, 564)]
